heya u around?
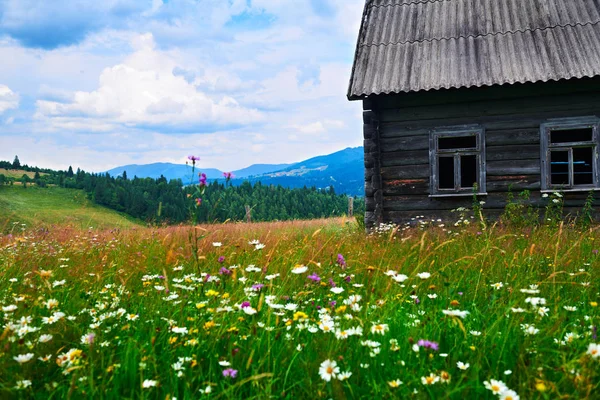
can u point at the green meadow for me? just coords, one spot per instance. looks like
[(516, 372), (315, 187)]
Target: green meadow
[(300, 310), (45, 207)]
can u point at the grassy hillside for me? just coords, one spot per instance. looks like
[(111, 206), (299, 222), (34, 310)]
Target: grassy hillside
[(18, 173), (48, 206)]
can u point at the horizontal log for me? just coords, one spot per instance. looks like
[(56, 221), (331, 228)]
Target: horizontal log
[(405, 143), (369, 117), (405, 186), (369, 131), (513, 152), (513, 167), (376, 182), (397, 158), (514, 136), (370, 204), (492, 201), (369, 172), (405, 172), (562, 105), (369, 160), (424, 202), (369, 145), (530, 91), (514, 183)]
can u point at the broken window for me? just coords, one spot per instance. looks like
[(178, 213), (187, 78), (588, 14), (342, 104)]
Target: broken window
[(457, 160), (569, 154)]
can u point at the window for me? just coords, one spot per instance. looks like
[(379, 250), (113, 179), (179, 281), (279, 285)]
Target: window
[(569, 154), (457, 159)]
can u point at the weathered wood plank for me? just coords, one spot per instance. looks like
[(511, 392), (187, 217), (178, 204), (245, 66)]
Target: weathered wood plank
[(492, 108), (416, 128), (512, 152), (519, 136), (492, 201), (398, 158), (513, 167), (405, 172), (425, 203), (405, 143), (514, 183), (405, 186), (484, 93)]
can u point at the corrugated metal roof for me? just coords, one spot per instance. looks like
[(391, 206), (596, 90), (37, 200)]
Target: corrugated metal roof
[(414, 45)]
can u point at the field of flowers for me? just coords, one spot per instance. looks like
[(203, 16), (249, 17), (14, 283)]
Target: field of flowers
[(300, 310)]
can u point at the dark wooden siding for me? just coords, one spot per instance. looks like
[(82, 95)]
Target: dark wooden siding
[(511, 117)]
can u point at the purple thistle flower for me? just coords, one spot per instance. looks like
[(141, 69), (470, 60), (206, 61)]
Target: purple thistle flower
[(595, 251), (332, 303), (341, 261), (460, 293), (193, 159), (348, 278), (228, 175), (230, 373), (245, 304), (221, 259), (428, 344), (417, 301), (257, 286), (594, 332), (202, 179), (225, 271), (314, 277), (90, 338), (331, 282)]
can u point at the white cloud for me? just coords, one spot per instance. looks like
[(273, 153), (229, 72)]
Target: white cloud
[(234, 81), (8, 99), (144, 91)]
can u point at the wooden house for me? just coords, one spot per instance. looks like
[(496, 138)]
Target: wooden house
[(494, 94)]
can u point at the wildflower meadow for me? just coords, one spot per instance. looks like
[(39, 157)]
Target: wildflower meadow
[(310, 309)]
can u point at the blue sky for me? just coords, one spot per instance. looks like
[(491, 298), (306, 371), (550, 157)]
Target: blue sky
[(97, 84)]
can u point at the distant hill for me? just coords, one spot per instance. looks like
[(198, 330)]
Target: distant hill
[(49, 206), (259, 169), (168, 170), (184, 172), (342, 170)]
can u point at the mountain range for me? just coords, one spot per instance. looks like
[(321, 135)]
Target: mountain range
[(342, 170)]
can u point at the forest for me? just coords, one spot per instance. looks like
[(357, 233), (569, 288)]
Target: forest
[(171, 202)]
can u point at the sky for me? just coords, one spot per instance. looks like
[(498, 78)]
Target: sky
[(99, 84)]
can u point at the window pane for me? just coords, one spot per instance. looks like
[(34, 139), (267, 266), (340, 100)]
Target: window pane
[(446, 172), (457, 142), (582, 164), (468, 171), (559, 167), (571, 135)]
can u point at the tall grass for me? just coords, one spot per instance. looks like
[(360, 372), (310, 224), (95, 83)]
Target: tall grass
[(152, 322)]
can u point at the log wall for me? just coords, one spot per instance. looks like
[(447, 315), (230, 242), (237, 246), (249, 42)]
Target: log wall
[(396, 131)]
